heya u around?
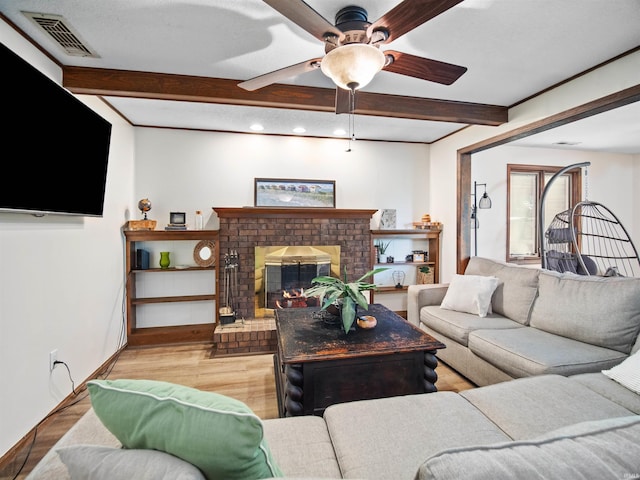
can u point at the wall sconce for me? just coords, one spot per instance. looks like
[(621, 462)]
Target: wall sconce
[(485, 202)]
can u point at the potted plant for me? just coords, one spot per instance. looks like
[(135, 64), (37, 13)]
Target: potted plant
[(345, 295), (382, 250)]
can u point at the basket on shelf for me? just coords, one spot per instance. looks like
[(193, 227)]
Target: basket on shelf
[(424, 278)]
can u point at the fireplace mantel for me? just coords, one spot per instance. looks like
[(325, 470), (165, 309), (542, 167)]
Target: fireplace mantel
[(297, 212)]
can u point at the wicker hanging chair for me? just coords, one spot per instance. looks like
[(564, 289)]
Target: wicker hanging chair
[(590, 240), (587, 239)]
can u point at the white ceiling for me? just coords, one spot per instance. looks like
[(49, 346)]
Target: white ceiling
[(513, 49)]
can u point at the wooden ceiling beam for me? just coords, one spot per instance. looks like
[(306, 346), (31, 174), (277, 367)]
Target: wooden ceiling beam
[(159, 86)]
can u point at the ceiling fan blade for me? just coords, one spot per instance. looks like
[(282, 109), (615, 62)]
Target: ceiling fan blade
[(343, 100), (306, 17), (423, 68), (279, 75), (408, 15)]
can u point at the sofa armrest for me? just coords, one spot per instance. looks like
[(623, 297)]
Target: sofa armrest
[(422, 295)]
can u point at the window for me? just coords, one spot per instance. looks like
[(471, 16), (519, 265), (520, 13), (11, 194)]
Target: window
[(525, 184)]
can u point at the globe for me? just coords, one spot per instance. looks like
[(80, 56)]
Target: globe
[(144, 206)]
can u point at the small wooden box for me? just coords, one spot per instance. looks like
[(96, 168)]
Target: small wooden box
[(141, 224)]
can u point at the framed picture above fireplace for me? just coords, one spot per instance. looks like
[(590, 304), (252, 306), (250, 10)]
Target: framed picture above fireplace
[(293, 192)]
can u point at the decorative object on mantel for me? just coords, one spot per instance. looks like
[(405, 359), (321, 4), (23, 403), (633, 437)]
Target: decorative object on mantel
[(388, 219), (425, 223), (203, 253), (199, 220), (420, 256), (424, 275), (381, 250), (165, 261), (294, 193), (347, 295), (177, 221), (144, 206), (398, 278), (366, 321)]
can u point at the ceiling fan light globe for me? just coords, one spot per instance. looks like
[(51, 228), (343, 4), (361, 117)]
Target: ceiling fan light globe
[(352, 66)]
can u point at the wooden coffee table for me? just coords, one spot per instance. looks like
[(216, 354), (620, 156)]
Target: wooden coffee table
[(318, 365)]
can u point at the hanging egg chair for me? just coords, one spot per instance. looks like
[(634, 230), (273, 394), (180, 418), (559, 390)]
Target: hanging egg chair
[(587, 240)]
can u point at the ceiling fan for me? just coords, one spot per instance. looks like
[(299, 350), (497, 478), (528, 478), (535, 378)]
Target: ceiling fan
[(352, 47)]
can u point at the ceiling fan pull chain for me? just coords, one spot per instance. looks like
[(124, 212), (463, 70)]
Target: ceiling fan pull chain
[(352, 125), (586, 183)]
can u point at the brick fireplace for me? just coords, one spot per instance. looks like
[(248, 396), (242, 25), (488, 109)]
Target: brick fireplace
[(243, 229)]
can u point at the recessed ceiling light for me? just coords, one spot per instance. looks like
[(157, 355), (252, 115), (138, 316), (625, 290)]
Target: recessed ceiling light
[(299, 130), (340, 131), (567, 143), (256, 127)]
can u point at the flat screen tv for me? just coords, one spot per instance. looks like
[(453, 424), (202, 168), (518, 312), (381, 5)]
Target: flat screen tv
[(55, 148)]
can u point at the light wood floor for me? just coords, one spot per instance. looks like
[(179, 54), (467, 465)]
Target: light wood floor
[(247, 378)]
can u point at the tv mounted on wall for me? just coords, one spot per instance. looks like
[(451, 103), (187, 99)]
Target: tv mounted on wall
[(56, 147)]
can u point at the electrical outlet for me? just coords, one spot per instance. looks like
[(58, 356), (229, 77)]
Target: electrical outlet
[(53, 357)]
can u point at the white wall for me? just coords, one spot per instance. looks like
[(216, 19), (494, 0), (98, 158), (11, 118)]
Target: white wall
[(607, 180), (61, 286), (188, 171)]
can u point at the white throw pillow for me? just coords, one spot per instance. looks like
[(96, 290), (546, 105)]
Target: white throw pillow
[(627, 373), (470, 294)]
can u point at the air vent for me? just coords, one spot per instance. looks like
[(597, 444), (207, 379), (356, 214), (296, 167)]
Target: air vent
[(62, 33)]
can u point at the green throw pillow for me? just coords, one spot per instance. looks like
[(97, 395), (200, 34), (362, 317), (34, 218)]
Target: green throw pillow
[(219, 435)]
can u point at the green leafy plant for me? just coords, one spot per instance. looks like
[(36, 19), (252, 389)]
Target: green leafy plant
[(345, 295), (425, 269)]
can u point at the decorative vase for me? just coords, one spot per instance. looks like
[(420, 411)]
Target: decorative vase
[(164, 260)]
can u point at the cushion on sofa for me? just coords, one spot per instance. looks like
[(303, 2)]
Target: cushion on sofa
[(302, 446), (604, 449), (627, 373), (526, 408), (95, 462), (517, 287), (457, 325), (527, 351), (219, 435), (600, 383), (390, 437), (470, 294), (603, 311)]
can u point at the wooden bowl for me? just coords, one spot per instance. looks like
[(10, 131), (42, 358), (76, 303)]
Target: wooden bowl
[(367, 321)]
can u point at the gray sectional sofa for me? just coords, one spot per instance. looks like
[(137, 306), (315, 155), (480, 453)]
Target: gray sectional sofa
[(548, 427), (557, 417), (542, 322)]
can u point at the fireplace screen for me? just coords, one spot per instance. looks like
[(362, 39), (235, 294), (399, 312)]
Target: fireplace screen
[(284, 273)]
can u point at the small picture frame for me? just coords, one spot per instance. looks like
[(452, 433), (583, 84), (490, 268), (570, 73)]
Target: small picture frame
[(177, 218), (418, 257)]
